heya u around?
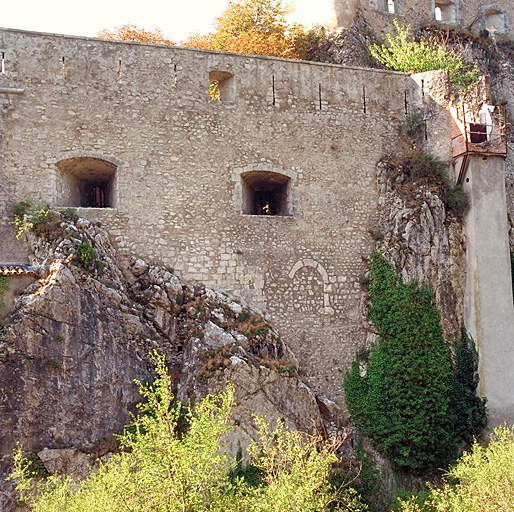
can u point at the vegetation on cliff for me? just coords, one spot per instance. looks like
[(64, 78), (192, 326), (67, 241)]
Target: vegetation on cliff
[(404, 54), (172, 460), (408, 399), (482, 480)]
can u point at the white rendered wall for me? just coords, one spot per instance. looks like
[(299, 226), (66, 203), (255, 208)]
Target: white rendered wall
[(489, 307)]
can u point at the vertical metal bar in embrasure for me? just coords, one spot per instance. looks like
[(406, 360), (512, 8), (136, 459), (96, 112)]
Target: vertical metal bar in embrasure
[(175, 76), (319, 91), (273, 87), (406, 105), (364, 98), (425, 128), (3, 63), (119, 70), (63, 69)]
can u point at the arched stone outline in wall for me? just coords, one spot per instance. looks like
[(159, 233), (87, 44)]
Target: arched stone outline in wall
[(76, 172), (253, 173), (308, 262)]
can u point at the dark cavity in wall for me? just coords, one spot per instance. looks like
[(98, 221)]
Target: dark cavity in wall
[(265, 193), (86, 182)]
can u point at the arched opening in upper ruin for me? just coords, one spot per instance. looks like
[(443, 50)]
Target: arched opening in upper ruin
[(444, 11), (86, 182), (265, 193), (389, 6), (222, 86), (495, 20)]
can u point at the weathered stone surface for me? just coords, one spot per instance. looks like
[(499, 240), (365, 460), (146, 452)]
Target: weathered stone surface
[(77, 339), (66, 461), (428, 246)]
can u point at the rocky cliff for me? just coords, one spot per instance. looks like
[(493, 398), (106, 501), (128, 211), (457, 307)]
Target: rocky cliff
[(83, 331)]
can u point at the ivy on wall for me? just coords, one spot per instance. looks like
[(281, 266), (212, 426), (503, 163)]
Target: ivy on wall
[(413, 404)]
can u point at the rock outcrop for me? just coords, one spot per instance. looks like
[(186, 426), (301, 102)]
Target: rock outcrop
[(426, 245), (78, 337)]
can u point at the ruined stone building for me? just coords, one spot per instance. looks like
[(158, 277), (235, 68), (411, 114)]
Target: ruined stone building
[(267, 193), (477, 15)]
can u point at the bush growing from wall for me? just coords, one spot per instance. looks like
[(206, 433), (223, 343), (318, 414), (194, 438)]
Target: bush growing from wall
[(85, 255), (407, 399), (35, 217), (410, 169), (404, 54)]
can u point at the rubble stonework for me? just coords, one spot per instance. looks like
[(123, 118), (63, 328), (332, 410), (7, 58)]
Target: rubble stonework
[(475, 15), (140, 116)]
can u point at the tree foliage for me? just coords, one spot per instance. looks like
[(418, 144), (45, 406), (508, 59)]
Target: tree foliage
[(404, 54), (166, 468), (406, 400), (481, 481), (254, 27), (471, 413), (130, 32)]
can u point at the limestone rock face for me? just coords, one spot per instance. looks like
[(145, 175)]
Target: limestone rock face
[(428, 246), (77, 338)]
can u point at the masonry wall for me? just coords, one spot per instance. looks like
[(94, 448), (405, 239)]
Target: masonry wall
[(180, 157), (474, 14)]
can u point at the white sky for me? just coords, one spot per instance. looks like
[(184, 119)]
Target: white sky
[(177, 19)]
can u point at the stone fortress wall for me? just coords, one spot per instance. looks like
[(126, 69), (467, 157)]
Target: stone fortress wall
[(131, 127)]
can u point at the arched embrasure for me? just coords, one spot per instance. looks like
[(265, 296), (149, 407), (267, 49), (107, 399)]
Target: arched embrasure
[(86, 182), (265, 193)]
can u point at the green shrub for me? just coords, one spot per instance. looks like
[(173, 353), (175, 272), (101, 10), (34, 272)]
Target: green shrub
[(481, 481), (470, 410), (405, 402), (410, 169), (455, 200), (407, 374), (409, 56), (173, 461), (37, 218), (85, 255), (484, 478)]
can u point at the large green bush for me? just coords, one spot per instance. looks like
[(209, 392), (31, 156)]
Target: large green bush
[(407, 399), (403, 400)]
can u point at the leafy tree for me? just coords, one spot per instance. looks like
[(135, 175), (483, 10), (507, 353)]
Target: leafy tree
[(404, 54), (481, 481), (163, 468), (130, 32), (253, 27), (403, 402)]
